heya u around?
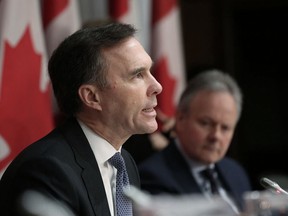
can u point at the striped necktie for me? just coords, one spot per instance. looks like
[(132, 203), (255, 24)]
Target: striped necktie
[(210, 175)]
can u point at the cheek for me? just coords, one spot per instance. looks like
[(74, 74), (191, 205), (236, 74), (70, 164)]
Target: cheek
[(227, 138), (190, 131), (225, 144), (198, 134), (123, 99), (193, 136)]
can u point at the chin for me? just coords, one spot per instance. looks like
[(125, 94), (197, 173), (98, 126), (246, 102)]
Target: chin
[(152, 129), (146, 127), (208, 160)]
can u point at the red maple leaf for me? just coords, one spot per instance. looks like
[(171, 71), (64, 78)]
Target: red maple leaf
[(166, 99), (25, 111)]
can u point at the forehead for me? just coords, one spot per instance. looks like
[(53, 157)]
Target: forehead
[(210, 96), (129, 49), (213, 101)]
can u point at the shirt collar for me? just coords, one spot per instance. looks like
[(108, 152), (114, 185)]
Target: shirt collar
[(194, 165), (101, 148)]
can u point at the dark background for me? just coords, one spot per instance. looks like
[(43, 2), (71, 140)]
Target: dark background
[(248, 39)]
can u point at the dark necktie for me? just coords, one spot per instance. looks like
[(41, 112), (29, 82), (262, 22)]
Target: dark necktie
[(210, 175), (123, 204)]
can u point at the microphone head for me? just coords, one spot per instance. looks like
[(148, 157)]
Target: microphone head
[(268, 184), (272, 186)]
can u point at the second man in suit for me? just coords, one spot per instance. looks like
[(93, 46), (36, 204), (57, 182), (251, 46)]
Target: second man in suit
[(207, 114)]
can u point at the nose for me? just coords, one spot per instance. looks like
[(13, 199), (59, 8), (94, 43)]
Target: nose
[(215, 133), (155, 87)]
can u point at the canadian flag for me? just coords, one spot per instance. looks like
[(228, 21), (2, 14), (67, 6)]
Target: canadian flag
[(60, 19), (167, 53), (134, 12), (25, 100)]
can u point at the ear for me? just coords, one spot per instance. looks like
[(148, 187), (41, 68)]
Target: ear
[(89, 95)]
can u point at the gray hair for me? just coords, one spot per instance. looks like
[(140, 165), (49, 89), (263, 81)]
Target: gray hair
[(211, 80)]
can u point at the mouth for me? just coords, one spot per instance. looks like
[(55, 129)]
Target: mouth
[(212, 148), (148, 109)]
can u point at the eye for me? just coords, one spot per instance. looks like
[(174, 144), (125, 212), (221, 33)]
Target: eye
[(225, 128), (139, 75), (204, 122)]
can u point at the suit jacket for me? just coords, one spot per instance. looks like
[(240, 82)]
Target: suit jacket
[(168, 172), (61, 165)]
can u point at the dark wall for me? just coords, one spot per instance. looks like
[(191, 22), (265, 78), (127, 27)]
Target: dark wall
[(247, 38)]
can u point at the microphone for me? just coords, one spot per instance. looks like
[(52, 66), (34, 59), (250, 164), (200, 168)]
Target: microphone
[(272, 186)]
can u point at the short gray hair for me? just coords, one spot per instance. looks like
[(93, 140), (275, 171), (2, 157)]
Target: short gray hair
[(211, 80)]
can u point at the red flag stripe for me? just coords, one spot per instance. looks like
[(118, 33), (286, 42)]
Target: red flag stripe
[(118, 8), (161, 8), (52, 9)]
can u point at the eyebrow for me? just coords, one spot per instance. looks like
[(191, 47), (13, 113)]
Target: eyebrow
[(136, 71)]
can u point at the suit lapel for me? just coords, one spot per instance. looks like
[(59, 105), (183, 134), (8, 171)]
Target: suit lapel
[(131, 168), (180, 170), (91, 174), (229, 181)]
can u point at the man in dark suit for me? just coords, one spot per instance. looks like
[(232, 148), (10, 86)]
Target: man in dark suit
[(206, 117), (102, 82)]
